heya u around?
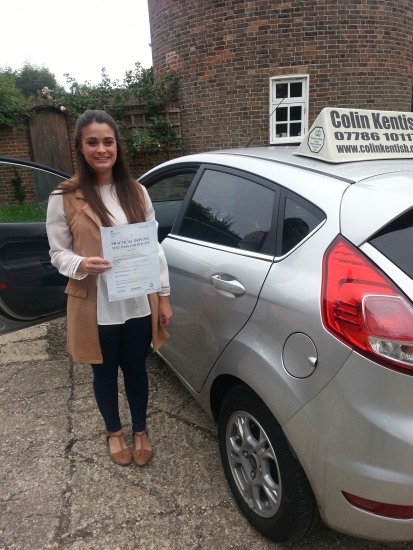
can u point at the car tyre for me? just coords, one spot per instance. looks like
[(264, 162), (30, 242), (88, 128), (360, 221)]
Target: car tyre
[(263, 472)]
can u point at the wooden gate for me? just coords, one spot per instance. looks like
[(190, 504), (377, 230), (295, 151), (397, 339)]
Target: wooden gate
[(50, 146), (49, 139)]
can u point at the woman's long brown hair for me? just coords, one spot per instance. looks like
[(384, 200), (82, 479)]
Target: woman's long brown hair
[(129, 193)]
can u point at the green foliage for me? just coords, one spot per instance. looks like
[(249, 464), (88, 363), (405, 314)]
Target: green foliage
[(12, 102), (31, 79), (158, 135), (153, 96), (17, 87), (113, 96), (22, 213), (108, 95), (17, 183)]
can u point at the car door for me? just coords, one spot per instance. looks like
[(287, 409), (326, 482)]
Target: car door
[(31, 289), (219, 253)]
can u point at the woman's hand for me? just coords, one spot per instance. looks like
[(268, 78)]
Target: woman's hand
[(93, 265), (164, 311)]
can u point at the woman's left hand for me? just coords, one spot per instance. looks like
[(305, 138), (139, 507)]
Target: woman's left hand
[(164, 311)]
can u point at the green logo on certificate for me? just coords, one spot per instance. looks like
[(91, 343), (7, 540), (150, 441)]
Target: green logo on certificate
[(316, 139)]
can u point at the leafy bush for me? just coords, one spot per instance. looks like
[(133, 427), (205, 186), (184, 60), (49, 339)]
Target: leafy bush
[(153, 96), (158, 135), (30, 79), (13, 105), (113, 96)]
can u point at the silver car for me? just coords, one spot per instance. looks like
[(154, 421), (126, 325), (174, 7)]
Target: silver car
[(293, 327)]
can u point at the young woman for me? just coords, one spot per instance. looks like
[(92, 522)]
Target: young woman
[(106, 334)]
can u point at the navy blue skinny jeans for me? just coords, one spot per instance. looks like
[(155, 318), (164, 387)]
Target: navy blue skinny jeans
[(125, 346)]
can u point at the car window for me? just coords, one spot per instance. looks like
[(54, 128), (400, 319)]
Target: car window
[(230, 210), (395, 241), (300, 218), (25, 193), (172, 187)]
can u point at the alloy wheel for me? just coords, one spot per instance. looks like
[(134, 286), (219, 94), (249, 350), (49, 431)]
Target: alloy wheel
[(253, 464)]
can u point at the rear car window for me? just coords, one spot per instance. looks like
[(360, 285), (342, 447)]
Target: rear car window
[(299, 219), (395, 241)]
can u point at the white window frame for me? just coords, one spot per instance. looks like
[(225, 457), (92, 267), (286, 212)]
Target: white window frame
[(291, 102)]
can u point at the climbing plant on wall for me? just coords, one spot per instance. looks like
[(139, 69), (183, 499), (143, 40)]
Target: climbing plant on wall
[(114, 96)]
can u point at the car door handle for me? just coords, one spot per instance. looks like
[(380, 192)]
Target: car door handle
[(225, 282)]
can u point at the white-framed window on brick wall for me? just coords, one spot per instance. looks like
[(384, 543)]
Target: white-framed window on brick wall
[(288, 108)]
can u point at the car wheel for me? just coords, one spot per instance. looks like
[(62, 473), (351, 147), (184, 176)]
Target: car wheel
[(264, 475)]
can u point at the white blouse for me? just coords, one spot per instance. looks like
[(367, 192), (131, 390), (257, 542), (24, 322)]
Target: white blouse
[(67, 262)]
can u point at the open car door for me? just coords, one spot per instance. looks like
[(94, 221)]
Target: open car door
[(31, 289)]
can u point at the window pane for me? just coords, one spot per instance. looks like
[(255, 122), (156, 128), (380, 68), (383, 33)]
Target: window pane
[(171, 188), (295, 129), (298, 223), (281, 114), (295, 112), (395, 241), (281, 130), (26, 193), (281, 90), (229, 210), (288, 122), (296, 89), (44, 183)]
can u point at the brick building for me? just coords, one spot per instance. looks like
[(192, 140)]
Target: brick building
[(238, 59)]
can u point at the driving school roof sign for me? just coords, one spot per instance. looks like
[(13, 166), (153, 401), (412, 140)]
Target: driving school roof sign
[(347, 135)]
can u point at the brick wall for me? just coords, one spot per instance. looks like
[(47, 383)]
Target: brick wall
[(14, 143), (358, 53)]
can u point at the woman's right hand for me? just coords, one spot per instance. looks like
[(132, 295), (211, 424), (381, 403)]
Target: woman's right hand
[(93, 265)]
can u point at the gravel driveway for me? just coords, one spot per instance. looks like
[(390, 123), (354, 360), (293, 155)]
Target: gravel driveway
[(59, 489)]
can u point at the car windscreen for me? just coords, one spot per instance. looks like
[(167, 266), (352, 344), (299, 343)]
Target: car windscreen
[(395, 241)]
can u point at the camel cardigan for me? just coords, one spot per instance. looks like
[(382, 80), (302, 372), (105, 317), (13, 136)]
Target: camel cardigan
[(82, 328)]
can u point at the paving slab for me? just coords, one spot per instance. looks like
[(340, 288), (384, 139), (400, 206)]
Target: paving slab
[(60, 490)]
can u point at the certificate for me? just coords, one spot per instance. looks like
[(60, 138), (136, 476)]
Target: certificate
[(133, 253)]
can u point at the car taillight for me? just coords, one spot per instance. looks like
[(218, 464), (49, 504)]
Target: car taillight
[(364, 308)]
